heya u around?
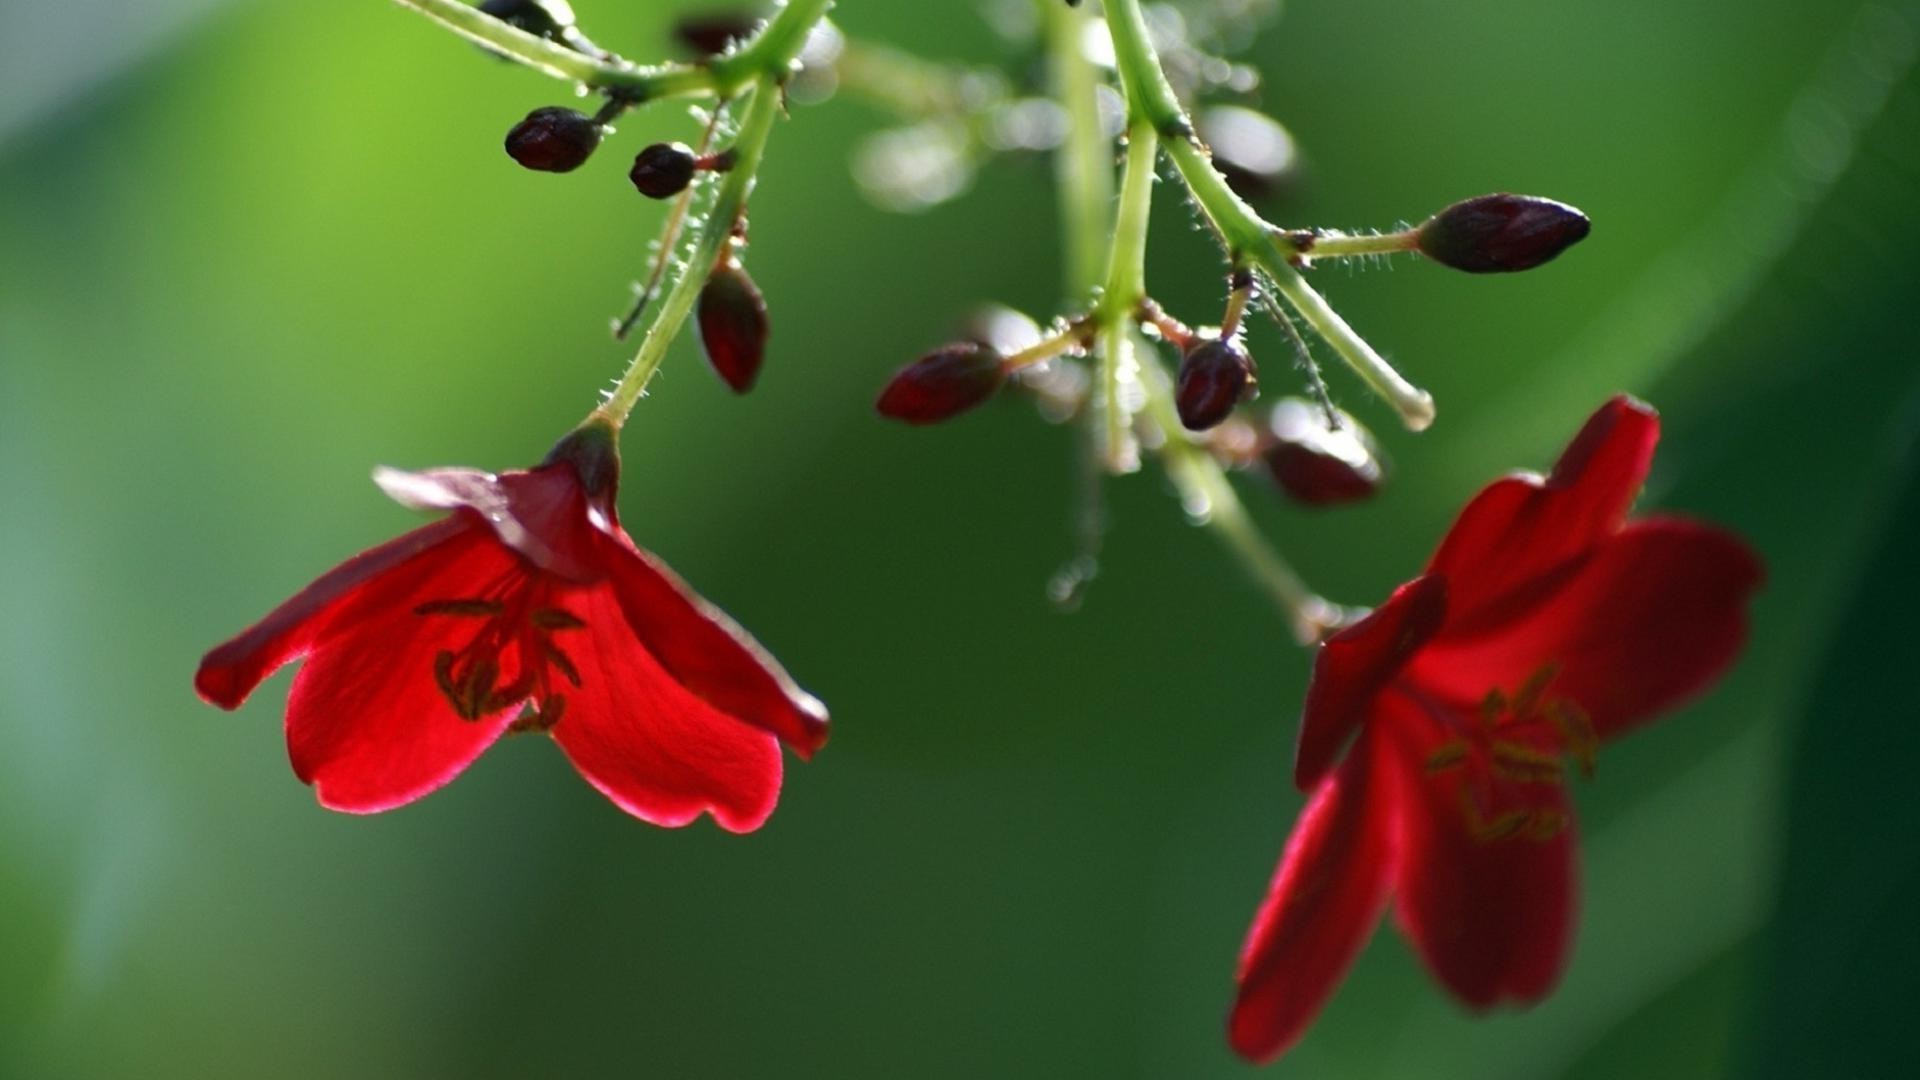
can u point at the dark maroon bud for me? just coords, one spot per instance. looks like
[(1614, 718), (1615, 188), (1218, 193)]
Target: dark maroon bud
[(1255, 154), (733, 325), (541, 18), (715, 32), (944, 383), (663, 170), (1214, 376), (553, 139), (1319, 465), (1498, 234)]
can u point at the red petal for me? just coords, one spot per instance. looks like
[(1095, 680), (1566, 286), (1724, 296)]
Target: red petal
[(540, 513), (660, 753), (1653, 617), (1324, 902), (231, 670), (1492, 918), (707, 652), (1355, 664), (1522, 527), (367, 725)]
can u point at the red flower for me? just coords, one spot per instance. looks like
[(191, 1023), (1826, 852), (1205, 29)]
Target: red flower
[(527, 609), (1545, 625)]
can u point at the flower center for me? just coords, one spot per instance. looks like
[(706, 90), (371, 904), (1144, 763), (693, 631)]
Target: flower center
[(1506, 763), (514, 625)]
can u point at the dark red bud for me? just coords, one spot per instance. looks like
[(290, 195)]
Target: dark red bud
[(553, 139), (733, 325), (663, 170), (1497, 234), (1319, 465), (715, 32), (944, 383), (1255, 154), (1214, 376), (541, 18)]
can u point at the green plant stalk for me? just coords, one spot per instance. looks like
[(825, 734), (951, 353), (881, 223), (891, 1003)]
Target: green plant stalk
[(1203, 484), (770, 54), (749, 146), (1084, 166), (1241, 230), (1126, 286)]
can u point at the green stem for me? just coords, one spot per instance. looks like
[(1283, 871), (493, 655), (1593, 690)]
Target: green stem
[(1244, 233), (1204, 487), (749, 145), (770, 53), (1210, 499), (1342, 246), (1126, 286), (1084, 166)]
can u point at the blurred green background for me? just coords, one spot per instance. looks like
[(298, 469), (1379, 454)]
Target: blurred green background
[(250, 249)]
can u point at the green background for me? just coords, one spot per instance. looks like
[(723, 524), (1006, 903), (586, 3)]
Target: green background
[(249, 250)]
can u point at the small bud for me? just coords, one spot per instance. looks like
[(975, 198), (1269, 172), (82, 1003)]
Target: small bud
[(663, 170), (541, 18), (1317, 465), (733, 325), (553, 139), (1255, 154), (1497, 234), (715, 32), (1215, 376), (944, 383)]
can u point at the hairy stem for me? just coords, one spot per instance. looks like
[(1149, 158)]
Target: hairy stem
[(1241, 230), (770, 54), (729, 201)]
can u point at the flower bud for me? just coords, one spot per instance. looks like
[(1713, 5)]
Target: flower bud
[(1319, 465), (1215, 376), (663, 170), (541, 18), (715, 32), (944, 383), (553, 139), (1496, 234), (733, 325)]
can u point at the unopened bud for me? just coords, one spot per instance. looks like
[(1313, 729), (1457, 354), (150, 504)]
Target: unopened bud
[(553, 139), (715, 32), (663, 170), (944, 383), (1497, 234), (1319, 465), (1215, 376), (733, 325), (541, 18)]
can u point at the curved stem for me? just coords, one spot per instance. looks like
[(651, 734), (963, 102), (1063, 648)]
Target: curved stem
[(729, 201), (770, 53), (1241, 229), (1204, 487)]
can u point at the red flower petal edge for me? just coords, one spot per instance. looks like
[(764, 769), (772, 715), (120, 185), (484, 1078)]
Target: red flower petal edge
[(1545, 624), (528, 609)]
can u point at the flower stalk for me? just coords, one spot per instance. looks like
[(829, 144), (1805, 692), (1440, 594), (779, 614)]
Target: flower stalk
[(1244, 234)]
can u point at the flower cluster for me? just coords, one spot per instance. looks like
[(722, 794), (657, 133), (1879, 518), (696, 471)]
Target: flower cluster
[(1439, 731)]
